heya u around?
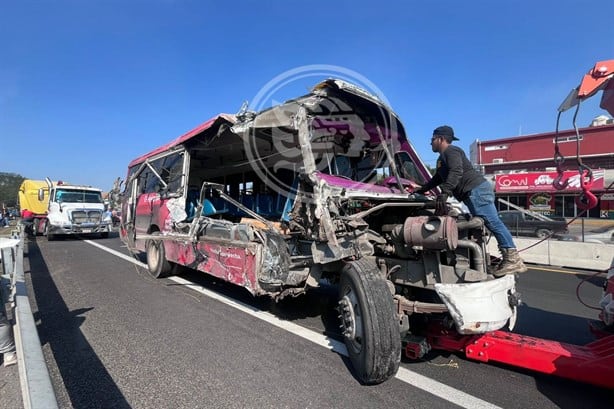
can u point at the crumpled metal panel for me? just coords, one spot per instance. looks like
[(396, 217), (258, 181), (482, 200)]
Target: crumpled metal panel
[(477, 308)]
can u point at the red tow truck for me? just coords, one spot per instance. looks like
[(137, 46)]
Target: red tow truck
[(592, 363)]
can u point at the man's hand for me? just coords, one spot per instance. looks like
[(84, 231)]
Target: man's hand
[(441, 208)]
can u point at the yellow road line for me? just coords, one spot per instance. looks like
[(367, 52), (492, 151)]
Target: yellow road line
[(556, 270)]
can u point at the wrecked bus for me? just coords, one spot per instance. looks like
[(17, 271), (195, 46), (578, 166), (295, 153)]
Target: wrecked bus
[(318, 189)]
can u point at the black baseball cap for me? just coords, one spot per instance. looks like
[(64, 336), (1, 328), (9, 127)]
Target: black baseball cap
[(445, 131)]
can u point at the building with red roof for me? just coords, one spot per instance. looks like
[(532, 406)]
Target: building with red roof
[(523, 169)]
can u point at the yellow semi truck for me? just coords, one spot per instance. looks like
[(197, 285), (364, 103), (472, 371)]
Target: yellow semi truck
[(57, 208)]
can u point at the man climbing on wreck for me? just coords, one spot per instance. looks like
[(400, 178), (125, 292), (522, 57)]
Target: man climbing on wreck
[(456, 176)]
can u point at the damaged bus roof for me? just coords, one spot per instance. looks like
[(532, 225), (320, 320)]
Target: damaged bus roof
[(336, 105), (211, 123)]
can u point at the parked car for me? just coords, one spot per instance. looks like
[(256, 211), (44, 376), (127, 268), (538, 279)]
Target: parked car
[(524, 224)]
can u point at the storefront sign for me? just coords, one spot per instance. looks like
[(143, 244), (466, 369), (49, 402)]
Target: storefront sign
[(542, 181), (540, 202)]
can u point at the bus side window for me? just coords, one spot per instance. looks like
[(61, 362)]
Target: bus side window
[(172, 171)]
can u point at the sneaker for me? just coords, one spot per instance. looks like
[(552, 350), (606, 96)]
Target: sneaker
[(10, 358)]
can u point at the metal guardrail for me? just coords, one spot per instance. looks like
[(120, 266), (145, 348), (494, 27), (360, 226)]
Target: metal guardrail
[(36, 388)]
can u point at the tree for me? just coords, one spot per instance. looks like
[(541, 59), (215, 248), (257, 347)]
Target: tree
[(431, 169), (9, 188)]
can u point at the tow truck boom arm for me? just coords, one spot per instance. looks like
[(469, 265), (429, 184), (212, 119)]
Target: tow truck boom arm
[(596, 79)]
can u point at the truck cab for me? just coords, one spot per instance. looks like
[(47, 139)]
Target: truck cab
[(69, 210)]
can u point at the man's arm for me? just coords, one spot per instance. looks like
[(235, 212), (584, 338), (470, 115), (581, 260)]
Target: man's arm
[(436, 180)]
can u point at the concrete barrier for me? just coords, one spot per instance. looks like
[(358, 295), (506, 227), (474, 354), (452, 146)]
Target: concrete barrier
[(572, 254)]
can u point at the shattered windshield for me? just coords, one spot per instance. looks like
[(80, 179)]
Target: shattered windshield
[(364, 168)]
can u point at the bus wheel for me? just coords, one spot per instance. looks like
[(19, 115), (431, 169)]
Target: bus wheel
[(157, 263), (369, 322), (35, 224)]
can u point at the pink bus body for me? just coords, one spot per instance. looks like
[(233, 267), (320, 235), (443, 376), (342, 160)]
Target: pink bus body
[(318, 188)]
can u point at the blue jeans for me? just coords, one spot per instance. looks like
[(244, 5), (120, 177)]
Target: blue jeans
[(481, 202)]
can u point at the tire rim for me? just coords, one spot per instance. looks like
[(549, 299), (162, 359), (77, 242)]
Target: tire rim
[(351, 318), (153, 254)]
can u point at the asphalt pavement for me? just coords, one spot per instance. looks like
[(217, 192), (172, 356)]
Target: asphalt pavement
[(114, 337)]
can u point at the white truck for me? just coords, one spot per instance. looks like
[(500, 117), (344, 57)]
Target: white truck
[(70, 210)]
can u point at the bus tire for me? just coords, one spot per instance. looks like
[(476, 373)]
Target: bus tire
[(369, 322), (157, 264)]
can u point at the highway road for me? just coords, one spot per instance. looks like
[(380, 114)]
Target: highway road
[(113, 337)]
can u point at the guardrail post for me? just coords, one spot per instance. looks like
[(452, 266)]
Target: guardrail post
[(7, 342), (8, 260)]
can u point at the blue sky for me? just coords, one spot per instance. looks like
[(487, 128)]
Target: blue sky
[(87, 86)]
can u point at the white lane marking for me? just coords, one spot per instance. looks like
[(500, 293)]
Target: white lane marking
[(117, 253), (412, 378)]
